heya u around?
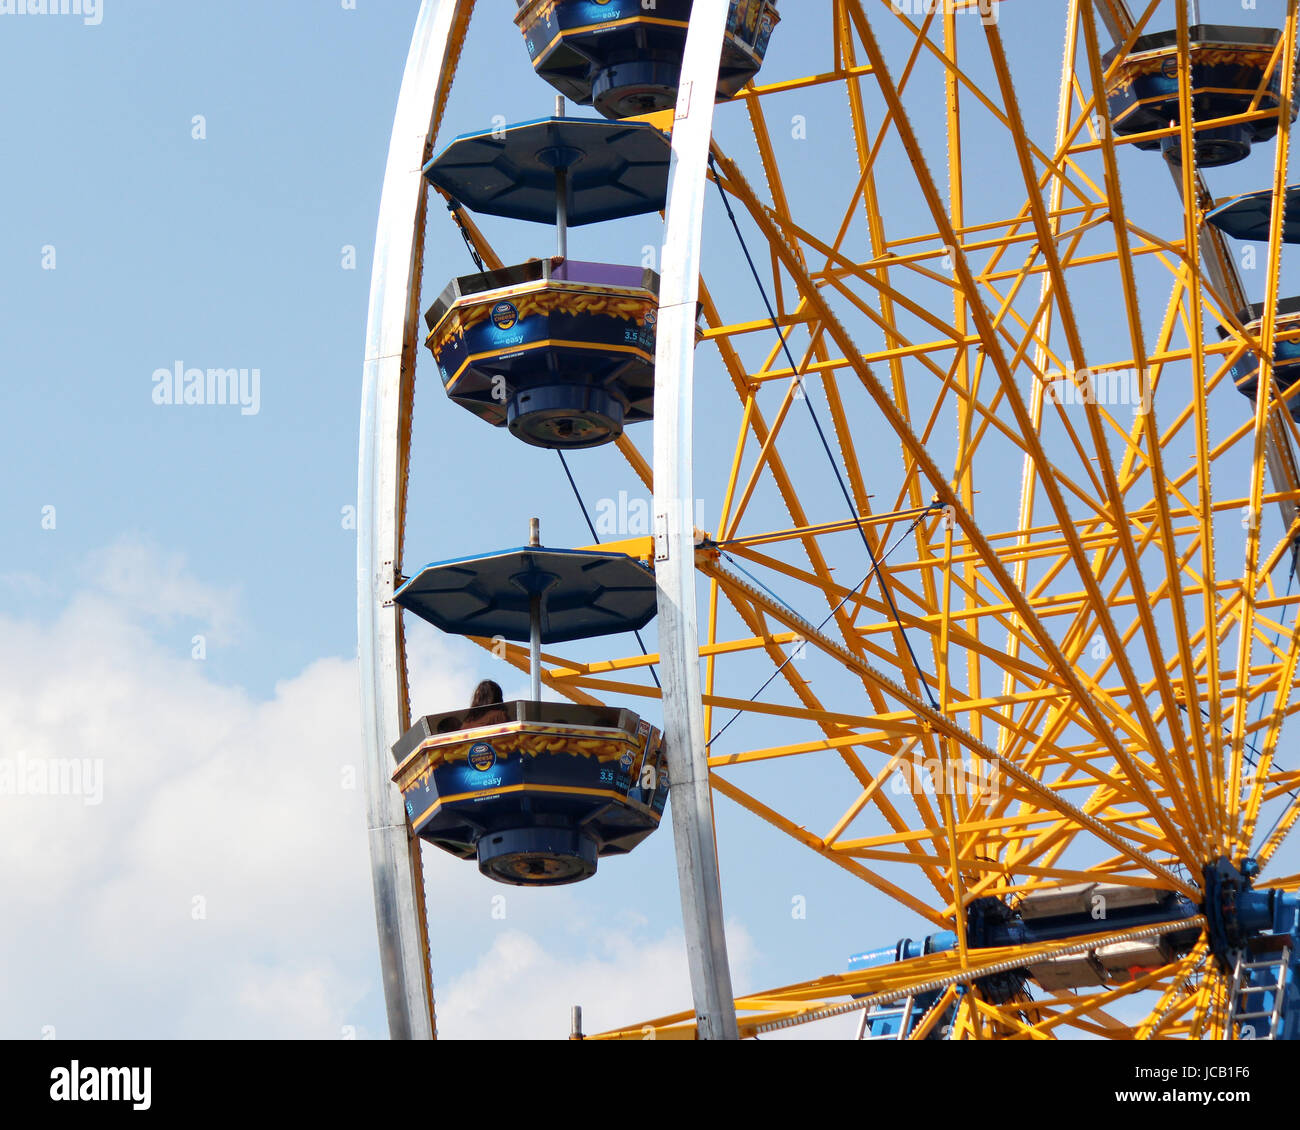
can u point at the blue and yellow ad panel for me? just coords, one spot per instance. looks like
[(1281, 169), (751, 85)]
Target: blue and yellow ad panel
[(564, 768), (1224, 79), (536, 335), (545, 22), (1286, 366)]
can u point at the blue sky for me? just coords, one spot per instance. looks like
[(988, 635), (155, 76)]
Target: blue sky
[(224, 252), (177, 583)]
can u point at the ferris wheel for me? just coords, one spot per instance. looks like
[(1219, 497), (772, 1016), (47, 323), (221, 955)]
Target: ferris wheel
[(1002, 420)]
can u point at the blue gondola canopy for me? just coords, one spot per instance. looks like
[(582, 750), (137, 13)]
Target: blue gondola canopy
[(583, 595), (614, 170), (1250, 216)]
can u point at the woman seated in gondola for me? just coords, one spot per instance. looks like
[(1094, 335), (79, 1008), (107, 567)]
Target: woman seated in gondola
[(485, 708)]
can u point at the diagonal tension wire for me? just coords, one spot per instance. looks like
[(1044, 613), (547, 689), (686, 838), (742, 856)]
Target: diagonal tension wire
[(454, 207), (830, 455), (1277, 636), (595, 540), (833, 613), (1248, 745), (758, 583), (720, 546), (807, 530)]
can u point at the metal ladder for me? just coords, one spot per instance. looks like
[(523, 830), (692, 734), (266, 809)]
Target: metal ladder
[(904, 1013), (1238, 1007)]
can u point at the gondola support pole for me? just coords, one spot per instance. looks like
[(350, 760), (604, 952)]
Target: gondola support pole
[(535, 619), (561, 196)]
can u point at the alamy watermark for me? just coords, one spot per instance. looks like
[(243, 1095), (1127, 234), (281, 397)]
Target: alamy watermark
[(1110, 388), (987, 10), (75, 1083), (630, 517), (934, 776), (90, 11), (45, 776), (208, 387)]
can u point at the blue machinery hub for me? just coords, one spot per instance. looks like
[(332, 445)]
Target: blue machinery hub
[(623, 60), (1238, 915), (1262, 928), (1256, 935), (1228, 66)]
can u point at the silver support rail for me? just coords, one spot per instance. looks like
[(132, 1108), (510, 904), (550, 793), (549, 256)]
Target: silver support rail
[(388, 382), (690, 795)]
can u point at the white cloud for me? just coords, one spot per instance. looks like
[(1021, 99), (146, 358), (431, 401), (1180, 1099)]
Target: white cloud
[(522, 989), (30, 586), (222, 888), (622, 976), (158, 586)]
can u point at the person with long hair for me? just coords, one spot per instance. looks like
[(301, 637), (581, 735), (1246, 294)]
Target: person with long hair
[(485, 708)]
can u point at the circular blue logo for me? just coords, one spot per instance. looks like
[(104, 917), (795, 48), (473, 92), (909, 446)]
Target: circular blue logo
[(482, 757), (505, 315)]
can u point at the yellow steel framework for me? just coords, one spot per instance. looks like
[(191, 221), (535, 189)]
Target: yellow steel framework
[(1090, 587)]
